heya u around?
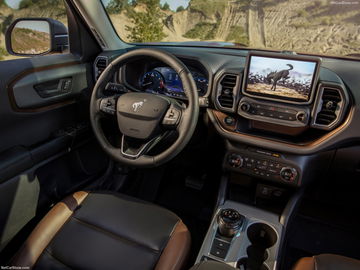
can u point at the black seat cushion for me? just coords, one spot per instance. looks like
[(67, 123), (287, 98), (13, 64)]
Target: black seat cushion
[(110, 231)]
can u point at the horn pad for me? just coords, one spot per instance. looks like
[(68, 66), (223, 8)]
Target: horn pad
[(139, 114)]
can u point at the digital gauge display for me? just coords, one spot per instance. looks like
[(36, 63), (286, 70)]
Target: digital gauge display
[(164, 80)]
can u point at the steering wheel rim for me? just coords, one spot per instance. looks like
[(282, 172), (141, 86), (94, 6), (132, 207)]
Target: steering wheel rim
[(185, 127)]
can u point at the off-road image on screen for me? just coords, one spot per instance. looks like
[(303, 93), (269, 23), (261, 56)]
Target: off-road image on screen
[(280, 77)]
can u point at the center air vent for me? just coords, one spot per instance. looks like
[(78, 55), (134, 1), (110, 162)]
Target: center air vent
[(100, 65), (330, 107), (225, 91)]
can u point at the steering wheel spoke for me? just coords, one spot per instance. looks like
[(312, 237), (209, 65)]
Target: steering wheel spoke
[(136, 150), (107, 105), (172, 116)]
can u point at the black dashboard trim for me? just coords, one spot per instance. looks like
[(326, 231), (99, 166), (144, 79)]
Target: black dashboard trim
[(323, 143)]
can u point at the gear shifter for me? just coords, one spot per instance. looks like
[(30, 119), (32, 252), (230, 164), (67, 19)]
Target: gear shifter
[(229, 221)]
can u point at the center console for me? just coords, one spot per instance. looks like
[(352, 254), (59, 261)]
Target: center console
[(263, 164), (243, 237), (276, 113), (279, 115)]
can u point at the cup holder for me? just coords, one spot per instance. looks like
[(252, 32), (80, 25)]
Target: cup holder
[(261, 237), (243, 265)]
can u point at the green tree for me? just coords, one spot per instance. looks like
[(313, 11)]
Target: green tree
[(166, 6), (6, 22), (116, 6), (180, 8), (147, 25)]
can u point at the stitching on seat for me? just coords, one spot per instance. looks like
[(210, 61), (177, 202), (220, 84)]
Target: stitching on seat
[(120, 237), (56, 259)]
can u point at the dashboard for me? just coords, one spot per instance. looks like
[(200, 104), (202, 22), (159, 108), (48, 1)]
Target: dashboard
[(276, 112)]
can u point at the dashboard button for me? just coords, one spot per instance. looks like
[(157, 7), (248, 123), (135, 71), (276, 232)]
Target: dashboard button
[(301, 116), (248, 165), (221, 244), (261, 112), (288, 174), (218, 252), (235, 161), (253, 111), (273, 171), (245, 106), (271, 114), (291, 117), (261, 167), (229, 120), (278, 166)]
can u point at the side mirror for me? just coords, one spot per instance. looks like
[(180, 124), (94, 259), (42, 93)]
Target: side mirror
[(36, 36)]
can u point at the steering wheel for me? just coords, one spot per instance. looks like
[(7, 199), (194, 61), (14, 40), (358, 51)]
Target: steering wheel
[(144, 119)]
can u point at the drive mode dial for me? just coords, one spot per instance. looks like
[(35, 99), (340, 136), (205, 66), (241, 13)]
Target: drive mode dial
[(235, 161), (288, 174), (244, 106)]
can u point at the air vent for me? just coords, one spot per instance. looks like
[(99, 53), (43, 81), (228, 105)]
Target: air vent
[(100, 65), (330, 106), (225, 96)]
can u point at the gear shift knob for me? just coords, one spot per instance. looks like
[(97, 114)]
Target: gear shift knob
[(229, 221)]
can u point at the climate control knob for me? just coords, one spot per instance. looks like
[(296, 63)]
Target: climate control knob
[(245, 107), (288, 174), (235, 161)]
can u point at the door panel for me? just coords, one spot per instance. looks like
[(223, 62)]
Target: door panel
[(44, 134), (32, 126), (47, 86)]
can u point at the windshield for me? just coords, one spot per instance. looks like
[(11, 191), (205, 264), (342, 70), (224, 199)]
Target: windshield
[(327, 27)]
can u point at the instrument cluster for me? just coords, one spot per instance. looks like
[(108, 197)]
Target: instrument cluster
[(165, 81)]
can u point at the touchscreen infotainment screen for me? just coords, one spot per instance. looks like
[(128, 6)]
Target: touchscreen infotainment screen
[(280, 78)]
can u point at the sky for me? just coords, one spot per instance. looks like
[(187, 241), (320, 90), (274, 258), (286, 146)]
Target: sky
[(41, 26), (264, 65), (12, 3), (174, 4)]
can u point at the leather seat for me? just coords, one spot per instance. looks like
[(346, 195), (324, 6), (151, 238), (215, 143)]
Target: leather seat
[(106, 231), (327, 262)]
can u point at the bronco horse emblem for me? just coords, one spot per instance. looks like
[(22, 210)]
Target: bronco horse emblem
[(137, 105)]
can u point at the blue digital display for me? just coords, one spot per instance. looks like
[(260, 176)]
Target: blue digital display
[(166, 81)]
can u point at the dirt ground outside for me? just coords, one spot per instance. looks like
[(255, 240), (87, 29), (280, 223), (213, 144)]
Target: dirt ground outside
[(280, 91)]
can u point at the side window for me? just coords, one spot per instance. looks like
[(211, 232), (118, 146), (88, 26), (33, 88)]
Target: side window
[(32, 37)]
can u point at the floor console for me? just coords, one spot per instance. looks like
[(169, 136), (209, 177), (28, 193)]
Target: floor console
[(243, 237)]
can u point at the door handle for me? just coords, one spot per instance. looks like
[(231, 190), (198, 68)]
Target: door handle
[(54, 87)]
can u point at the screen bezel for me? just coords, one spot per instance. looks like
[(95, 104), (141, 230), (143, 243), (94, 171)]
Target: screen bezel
[(314, 82)]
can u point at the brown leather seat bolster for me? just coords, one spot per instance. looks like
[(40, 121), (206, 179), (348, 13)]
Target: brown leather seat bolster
[(175, 253), (307, 263), (327, 262), (45, 231)]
